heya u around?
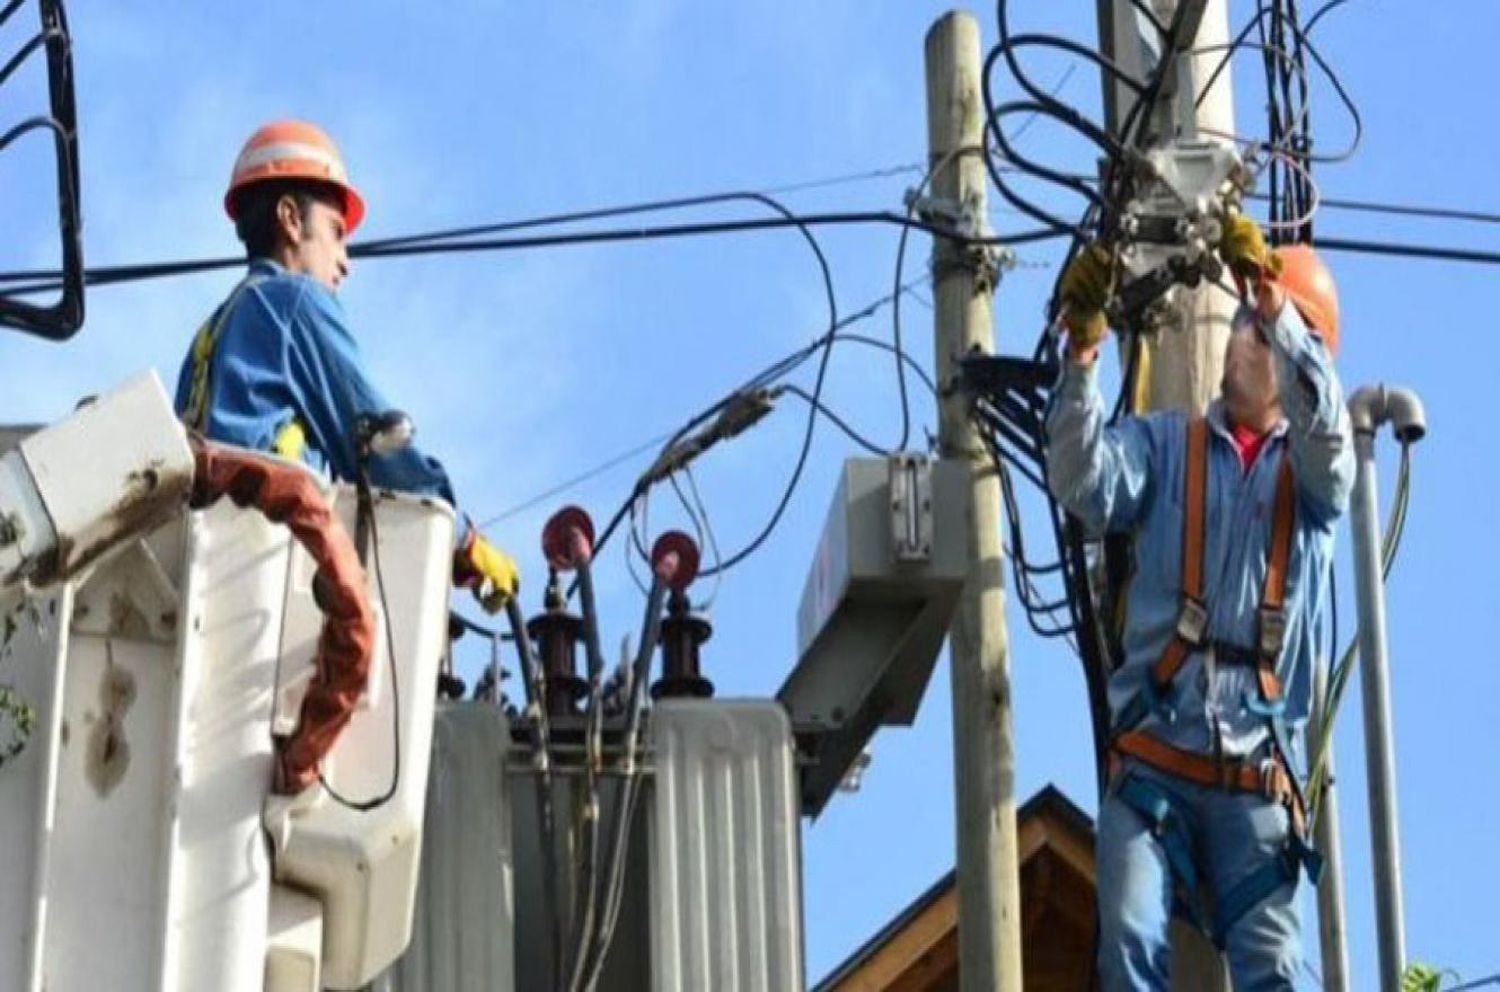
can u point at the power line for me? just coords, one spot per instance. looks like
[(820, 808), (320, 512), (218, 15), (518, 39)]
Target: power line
[(424, 245), (1431, 211), (1431, 252), (574, 482), (777, 370), (1405, 210), (888, 172)]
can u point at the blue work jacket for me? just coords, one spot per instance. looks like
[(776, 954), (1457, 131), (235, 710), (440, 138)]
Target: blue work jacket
[(281, 351), (1128, 478)]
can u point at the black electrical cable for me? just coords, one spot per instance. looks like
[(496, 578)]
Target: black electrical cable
[(1318, 15), (896, 349), (32, 124), (905, 357), (656, 443), (1407, 210), (36, 42), (489, 633), (1429, 252), (1054, 107), (1110, 67), (837, 421), (1026, 590), (133, 273), (791, 486), (1150, 15), (1380, 208), (9, 9), (369, 805), (776, 370), (1049, 106)]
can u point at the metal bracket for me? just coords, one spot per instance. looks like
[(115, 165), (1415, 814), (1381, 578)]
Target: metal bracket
[(970, 255), (911, 507)]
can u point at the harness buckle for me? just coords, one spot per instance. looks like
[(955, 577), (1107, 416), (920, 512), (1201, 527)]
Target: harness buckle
[(1271, 786), (1272, 633), (1192, 621)]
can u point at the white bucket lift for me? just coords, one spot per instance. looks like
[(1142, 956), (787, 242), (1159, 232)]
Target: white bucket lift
[(136, 856)]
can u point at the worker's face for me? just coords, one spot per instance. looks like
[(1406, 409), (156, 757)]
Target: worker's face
[(1250, 387), (317, 236)]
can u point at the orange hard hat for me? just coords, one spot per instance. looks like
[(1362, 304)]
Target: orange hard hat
[(293, 150), (1310, 285)]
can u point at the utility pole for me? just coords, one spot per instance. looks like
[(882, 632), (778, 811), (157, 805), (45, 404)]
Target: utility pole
[(989, 890), (1182, 364)]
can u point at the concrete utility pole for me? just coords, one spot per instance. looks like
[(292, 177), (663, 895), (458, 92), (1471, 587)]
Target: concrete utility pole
[(989, 890), (1185, 361), (1183, 364)]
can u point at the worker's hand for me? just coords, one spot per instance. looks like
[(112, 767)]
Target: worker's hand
[(490, 572), (1243, 248), (1085, 291)]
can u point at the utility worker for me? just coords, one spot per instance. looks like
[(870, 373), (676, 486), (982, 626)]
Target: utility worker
[(1232, 516), (275, 368)]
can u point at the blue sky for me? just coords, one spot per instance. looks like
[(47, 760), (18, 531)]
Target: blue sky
[(523, 369)]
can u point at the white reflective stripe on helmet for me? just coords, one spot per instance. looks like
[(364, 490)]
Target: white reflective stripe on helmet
[(280, 151)]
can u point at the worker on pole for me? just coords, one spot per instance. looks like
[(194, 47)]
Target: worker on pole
[(276, 368), (1232, 516)]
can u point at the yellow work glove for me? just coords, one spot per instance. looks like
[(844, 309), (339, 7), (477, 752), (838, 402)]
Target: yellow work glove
[(1084, 291), (1243, 248), (490, 572)]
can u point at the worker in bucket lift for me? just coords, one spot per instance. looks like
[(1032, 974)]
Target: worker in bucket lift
[(1232, 517), (275, 368)]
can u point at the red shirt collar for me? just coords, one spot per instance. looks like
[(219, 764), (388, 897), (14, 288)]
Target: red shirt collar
[(1247, 444)]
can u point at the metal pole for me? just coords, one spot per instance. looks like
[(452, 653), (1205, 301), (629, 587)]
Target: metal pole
[(1374, 685), (1332, 928), (989, 896)]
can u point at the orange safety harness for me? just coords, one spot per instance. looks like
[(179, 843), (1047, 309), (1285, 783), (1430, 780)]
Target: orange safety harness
[(1273, 777)]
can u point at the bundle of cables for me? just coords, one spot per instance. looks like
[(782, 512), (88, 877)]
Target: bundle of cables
[(62, 318), (1010, 419)]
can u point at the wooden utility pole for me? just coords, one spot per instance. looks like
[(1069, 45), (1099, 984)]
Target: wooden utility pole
[(989, 892)]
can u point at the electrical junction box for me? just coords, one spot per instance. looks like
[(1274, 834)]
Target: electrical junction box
[(878, 601)]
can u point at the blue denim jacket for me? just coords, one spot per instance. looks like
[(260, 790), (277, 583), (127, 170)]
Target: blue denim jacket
[(1128, 478), (284, 351)]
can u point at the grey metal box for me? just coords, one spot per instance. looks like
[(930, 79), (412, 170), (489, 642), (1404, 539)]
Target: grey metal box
[(875, 609)]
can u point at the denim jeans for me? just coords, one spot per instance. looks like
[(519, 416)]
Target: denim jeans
[(1232, 835)]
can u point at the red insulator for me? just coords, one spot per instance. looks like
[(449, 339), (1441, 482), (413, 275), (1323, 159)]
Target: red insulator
[(675, 560), (568, 539)]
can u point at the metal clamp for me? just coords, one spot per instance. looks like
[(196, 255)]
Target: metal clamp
[(911, 507), (1268, 779), (1192, 621), (1272, 634)]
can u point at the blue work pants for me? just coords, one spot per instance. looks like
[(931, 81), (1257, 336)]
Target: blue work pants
[(1231, 835)]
